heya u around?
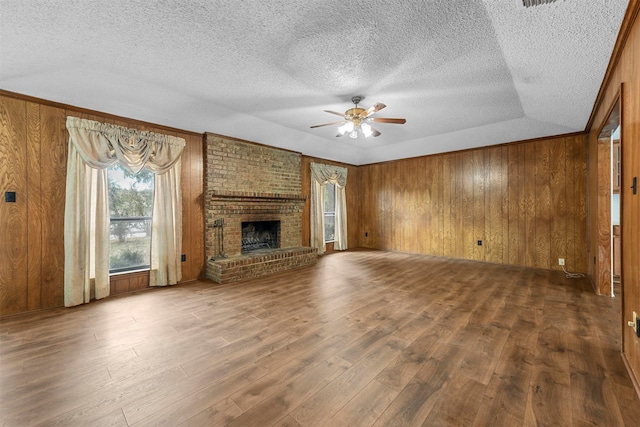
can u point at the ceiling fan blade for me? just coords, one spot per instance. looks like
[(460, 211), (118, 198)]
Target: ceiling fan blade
[(328, 124), (374, 132), (334, 112), (373, 109), (388, 120)]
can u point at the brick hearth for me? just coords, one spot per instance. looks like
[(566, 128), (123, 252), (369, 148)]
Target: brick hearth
[(260, 263)]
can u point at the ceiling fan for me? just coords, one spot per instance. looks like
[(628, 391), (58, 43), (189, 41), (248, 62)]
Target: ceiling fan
[(357, 120)]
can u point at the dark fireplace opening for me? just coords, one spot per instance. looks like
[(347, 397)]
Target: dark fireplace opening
[(258, 235)]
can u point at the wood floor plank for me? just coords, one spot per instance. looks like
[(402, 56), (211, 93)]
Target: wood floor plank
[(484, 352), (505, 400), (365, 407), (201, 404), (289, 397), (550, 388), (276, 380), (416, 400), (458, 403), (403, 368), (86, 404), (331, 398), (248, 349), (288, 421), (592, 393), (220, 413), (137, 409), (361, 338)]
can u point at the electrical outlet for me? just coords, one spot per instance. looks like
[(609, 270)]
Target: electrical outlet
[(560, 261), (479, 242), (635, 324)]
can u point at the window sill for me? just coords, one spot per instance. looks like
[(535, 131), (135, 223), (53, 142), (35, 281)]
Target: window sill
[(120, 273)]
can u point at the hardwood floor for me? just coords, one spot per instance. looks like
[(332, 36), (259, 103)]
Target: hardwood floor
[(363, 338)]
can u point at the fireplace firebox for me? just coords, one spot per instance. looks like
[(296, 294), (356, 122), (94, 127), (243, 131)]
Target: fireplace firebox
[(260, 235)]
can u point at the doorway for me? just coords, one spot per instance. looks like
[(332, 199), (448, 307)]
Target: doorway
[(616, 253), (609, 204)]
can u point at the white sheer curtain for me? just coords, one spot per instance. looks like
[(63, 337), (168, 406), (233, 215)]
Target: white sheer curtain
[(93, 147), (322, 174)]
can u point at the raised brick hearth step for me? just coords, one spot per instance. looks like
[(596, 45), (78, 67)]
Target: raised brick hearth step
[(260, 263)]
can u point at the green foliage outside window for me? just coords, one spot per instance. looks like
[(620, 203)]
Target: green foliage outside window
[(130, 208)]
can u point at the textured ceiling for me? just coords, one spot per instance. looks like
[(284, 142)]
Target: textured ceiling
[(464, 73)]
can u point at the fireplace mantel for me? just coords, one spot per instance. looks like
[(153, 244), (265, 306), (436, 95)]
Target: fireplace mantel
[(243, 195)]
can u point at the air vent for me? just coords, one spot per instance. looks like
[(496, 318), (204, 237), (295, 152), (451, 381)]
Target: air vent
[(529, 3)]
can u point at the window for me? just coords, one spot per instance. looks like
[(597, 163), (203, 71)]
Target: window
[(130, 207), (329, 212)]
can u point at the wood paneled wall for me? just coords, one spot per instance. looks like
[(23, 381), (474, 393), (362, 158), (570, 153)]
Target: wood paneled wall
[(33, 163), (353, 205), (623, 79), (526, 202), (193, 208)]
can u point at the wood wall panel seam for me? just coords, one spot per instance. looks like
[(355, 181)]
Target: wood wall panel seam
[(34, 207)]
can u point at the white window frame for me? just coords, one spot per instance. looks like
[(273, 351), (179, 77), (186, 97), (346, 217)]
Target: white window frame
[(330, 214)]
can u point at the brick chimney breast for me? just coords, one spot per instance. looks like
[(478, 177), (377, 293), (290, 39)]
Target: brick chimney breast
[(248, 182)]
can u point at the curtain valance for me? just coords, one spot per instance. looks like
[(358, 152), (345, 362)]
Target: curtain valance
[(102, 144), (328, 173)]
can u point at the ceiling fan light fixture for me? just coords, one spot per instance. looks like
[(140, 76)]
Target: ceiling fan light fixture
[(366, 130), (354, 134), (347, 127)]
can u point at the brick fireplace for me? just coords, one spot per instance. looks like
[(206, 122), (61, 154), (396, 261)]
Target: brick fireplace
[(250, 183)]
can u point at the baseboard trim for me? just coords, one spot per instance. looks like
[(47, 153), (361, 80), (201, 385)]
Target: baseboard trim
[(634, 380)]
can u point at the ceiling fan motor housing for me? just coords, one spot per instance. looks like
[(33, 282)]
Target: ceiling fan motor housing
[(354, 114)]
